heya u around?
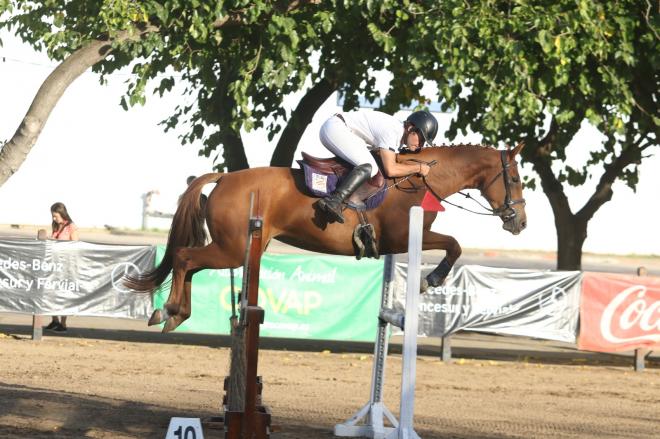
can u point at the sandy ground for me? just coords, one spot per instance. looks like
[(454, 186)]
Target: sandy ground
[(74, 386)]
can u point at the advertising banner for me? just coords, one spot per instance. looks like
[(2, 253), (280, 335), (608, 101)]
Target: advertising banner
[(303, 296), (619, 313), (71, 278), (532, 303)]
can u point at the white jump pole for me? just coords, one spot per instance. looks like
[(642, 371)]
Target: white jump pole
[(375, 411), (407, 405)]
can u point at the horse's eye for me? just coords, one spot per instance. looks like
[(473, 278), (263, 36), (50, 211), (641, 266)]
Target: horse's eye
[(515, 179)]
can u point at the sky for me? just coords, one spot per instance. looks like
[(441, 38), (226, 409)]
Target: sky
[(99, 160)]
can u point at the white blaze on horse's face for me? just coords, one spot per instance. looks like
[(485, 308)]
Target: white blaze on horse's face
[(517, 222)]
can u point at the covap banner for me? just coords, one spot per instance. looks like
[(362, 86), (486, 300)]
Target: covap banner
[(619, 313), (531, 303), (319, 297), (71, 277)]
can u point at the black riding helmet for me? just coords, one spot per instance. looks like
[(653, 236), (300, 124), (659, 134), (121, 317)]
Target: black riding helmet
[(425, 123)]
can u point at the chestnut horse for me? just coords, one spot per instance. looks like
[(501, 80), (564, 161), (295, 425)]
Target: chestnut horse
[(289, 215)]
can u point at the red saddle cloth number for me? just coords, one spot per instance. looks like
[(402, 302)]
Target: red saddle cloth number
[(431, 203)]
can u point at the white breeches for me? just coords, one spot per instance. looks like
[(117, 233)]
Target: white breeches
[(341, 141)]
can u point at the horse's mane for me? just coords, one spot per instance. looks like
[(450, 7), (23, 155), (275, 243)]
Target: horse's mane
[(432, 150), (464, 145)]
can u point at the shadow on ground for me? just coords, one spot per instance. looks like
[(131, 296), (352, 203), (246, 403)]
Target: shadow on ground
[(42, 413), (37, 413)]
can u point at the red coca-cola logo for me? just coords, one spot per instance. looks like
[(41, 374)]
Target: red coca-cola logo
[(631, 317)]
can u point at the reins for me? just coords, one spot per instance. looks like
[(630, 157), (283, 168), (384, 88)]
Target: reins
[(491, 212), (406, 178), (500, 211)]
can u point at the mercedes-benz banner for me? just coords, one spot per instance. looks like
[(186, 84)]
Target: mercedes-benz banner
[(532, 303), (72, 277)]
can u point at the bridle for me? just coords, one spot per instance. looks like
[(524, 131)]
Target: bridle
[(506, 211)]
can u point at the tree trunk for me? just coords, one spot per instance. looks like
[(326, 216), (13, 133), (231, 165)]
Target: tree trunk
[(571, 233), (233, 151), (300, 119), (571, 228), (219, 111)]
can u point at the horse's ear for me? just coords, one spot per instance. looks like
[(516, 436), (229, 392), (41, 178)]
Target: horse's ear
[(516, 150)]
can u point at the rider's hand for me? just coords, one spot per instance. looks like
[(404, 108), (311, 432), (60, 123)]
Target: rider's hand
[(424, 169)]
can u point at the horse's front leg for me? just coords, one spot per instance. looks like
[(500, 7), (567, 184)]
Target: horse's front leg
[(436, 241)]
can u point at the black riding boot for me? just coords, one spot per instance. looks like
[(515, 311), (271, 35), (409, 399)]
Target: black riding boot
[(331, 204)]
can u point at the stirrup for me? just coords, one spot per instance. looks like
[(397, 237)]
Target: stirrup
[(364, 238), (370, 233), (357, 240)]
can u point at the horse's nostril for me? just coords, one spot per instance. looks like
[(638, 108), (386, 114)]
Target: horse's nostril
[(523, 225)]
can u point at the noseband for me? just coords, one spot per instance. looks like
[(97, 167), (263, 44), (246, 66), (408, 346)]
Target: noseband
[(505, 211)]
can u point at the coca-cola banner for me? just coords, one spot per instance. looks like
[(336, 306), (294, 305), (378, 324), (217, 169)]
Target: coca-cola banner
[(72, 277), (619, 313), (533, 303)]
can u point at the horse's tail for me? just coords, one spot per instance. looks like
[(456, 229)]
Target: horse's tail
[(187, 230)]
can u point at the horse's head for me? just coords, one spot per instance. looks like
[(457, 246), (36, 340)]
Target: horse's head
[(502, 187)]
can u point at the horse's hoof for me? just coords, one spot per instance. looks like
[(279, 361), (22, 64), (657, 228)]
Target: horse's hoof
[(434, 281), (170, 325), (157, 317)]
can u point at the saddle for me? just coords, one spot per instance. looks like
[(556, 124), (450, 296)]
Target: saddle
[(323, 174)]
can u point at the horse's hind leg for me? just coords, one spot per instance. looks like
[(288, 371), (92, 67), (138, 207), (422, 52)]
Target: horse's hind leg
[(179, 312), (187, 261), (436, 241)]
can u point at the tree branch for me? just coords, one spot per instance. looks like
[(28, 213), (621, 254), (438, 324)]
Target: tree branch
[(542, 164), (603, 192), (300, 119), (14, 152)]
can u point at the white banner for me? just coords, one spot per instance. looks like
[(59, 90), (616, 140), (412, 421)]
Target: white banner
[(531, 303), (72, 278)]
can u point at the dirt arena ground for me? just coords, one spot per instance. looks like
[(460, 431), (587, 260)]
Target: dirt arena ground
[(80, 387)]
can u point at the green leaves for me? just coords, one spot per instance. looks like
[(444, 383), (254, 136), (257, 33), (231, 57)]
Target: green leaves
[(545, 39), (118, 15), (505, 67), (5, 6), (573, 176), (382, 38), (522, 62)]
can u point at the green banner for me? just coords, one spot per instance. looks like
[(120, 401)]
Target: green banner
[(303, 296)]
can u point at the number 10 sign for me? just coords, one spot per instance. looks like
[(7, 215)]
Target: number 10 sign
[(185, 428)]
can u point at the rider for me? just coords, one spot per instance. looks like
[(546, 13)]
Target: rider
[(352, 135)]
